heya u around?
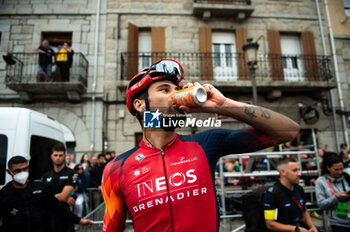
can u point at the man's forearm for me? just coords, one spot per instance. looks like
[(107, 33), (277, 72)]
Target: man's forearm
[(61, 197), (276, 125), (308, 219), (64, 195), (276, 226)]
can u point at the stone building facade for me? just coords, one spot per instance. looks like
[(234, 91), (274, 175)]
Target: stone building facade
[(205, 36)]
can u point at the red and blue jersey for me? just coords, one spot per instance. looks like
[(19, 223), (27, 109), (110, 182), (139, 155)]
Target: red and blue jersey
[(172, 189)]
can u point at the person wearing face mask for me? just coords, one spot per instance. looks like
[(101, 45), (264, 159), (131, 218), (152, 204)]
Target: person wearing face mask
[(24, 203)]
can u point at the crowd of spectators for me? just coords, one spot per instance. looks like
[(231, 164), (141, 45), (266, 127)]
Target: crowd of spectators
[(311, 162), (89, 169)]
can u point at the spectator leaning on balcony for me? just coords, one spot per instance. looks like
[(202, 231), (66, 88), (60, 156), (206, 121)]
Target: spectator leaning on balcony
[(45, 60), (64, 61)]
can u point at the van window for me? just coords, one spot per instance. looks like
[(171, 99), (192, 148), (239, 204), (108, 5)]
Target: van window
[(3, 155), (40, 151)]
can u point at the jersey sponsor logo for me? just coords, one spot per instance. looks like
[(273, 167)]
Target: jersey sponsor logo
[(137, 172), (159, 184), (182, 160), (142, 171), (139, 157), (145, 169), (190, 192), (153, 193), (151, 119), (63, 177), (37, 191)]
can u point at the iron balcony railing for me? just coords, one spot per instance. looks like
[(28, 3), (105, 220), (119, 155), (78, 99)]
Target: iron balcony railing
[(232, 66), (242, 2), (24, 69)]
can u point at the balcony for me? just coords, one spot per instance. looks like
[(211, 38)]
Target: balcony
[(238, 9), (229, 71), (22, 76)]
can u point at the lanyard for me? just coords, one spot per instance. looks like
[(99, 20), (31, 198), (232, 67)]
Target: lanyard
[(330, 186), (300, 207), (298, 204)]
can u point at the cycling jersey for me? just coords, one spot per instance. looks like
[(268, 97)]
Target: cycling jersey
[(172, 189)]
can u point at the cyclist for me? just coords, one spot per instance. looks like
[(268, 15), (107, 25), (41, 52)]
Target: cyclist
[(167, 181)]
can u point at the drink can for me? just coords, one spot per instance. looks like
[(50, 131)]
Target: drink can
[(190, 96)]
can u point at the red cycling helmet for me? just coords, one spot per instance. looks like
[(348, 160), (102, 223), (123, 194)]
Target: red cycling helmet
[(165, 69)]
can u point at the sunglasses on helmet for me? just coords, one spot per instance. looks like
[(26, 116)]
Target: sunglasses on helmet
[(169, 67)]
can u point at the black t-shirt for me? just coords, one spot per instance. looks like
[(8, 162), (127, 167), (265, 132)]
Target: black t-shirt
[(289, 212), (96, 175), (44, 59), (26, 209), (57, 180)]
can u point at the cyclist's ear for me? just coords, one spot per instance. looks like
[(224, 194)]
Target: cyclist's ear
[(139, 106)]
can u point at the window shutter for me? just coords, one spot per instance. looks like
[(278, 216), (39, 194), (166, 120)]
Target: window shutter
[(275, 57), (241, 39), (205, 44), (158, 43), (311, 66), (132, 57)]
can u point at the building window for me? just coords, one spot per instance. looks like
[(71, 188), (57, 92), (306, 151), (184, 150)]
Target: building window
[(224, 60), (292, 58), (57, 38), (347, 7), (145, 48)]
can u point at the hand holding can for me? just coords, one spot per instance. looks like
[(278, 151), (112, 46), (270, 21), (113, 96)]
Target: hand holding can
[(191, 96)]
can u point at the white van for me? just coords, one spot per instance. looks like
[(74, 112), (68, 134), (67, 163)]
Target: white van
[(30, 134)]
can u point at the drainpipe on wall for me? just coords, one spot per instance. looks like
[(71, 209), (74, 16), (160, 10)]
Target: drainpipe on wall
[(93, 116), (331, 96), (340, 92)]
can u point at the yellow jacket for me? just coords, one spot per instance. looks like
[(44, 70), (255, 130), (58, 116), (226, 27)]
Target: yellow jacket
[(62, 55)]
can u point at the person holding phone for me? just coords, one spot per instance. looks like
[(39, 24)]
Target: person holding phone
[(333, 192)]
